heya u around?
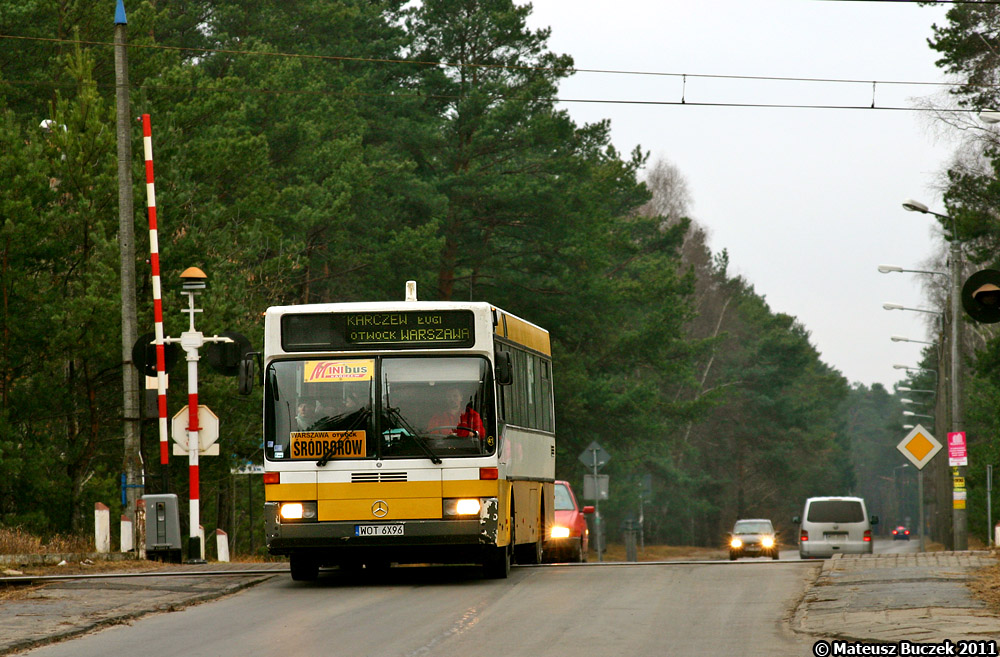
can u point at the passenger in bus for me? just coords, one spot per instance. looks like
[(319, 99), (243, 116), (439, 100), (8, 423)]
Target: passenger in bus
[(306, 415), (457, 419)]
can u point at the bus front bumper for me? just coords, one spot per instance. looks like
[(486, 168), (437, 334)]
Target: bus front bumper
[(415, 538)]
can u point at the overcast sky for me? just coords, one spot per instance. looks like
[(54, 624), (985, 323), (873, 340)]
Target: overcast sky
[(806, 201)]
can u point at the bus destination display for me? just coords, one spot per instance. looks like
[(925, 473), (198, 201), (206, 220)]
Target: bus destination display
[(412, 329)]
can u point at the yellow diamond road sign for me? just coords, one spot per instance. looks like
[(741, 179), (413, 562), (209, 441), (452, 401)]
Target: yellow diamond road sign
[(919, 446)]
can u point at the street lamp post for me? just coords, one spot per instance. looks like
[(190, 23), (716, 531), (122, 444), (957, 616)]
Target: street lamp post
[(959, 520), (905, 389), (899, 338), (897, 366)]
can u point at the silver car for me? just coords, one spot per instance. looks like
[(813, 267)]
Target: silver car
[(832, 525)]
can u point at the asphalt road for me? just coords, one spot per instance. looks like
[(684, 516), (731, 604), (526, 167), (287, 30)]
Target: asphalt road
[(579, 610)]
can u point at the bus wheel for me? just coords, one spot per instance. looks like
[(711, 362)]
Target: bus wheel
[(496, 562), (304, 568)]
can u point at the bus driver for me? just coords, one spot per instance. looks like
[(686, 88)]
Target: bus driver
[(456, 419)]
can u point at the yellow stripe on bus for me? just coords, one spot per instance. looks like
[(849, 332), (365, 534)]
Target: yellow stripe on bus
[(474, 488), (393, 508), (526, 334), (373, 491), (289, 492)]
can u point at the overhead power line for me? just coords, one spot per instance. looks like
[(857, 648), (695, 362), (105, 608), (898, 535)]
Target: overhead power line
[(681, 102), (599, 71), (555, 99)]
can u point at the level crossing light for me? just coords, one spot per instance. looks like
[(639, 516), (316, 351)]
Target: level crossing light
[(193, 282)]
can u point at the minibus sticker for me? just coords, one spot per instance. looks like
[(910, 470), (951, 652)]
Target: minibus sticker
[(338, 371)]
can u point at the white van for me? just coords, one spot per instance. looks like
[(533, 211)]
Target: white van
[(832, 525)]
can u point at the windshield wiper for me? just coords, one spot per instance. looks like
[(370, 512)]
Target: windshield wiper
[(361, 418), (396, 418)]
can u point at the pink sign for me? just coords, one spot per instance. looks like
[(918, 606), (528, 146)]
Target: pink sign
[(957, 454)]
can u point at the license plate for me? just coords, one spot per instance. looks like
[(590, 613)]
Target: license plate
[(378, 530), (836, 538)]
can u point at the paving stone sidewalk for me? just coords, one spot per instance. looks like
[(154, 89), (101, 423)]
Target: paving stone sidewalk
[(920, 597)]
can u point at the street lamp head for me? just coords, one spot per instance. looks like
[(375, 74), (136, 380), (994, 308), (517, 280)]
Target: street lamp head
[(907, 426), (909, 413), (915, 206), (886, 269), (892, 306), (989, 116), (907, 401), (898, 338)]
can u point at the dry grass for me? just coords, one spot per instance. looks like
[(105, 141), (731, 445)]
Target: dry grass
[(986, 586), (17, 541), (616, 552)]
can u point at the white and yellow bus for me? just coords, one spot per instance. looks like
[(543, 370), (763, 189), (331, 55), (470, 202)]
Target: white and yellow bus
[(367, 460)]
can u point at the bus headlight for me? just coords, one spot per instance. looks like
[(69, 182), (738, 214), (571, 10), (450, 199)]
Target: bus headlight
[(767, 542), (297, 511), (469, 506), (559, 532)]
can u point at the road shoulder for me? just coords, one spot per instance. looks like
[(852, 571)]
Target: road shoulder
[(922, 597)]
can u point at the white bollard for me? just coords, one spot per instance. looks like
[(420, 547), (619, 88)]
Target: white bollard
[(126, 535), (222, 545), (996, 534), (102, 528), (201, 536)]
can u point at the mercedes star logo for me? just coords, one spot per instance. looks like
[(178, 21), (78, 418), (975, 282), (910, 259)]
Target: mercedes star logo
[(380, 509)]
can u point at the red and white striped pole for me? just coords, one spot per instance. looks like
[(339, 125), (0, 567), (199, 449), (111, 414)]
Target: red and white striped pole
[(154, 259), (191, 340)]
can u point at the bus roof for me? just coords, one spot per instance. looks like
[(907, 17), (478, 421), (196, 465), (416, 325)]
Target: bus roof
[(506, 325)]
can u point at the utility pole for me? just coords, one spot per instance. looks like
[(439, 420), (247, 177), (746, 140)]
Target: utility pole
[(132, 462), (960, 525)]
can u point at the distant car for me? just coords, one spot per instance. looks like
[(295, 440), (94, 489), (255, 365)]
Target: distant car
[(753, 538), (568, 538), (900, 533)]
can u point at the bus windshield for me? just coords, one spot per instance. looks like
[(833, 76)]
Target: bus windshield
[(387, 407)]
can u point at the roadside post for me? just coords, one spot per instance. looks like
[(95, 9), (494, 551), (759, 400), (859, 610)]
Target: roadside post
[(919, 447), (989, 505), (595, 487)]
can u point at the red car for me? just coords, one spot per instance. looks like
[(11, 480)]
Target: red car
[(569, 537)]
